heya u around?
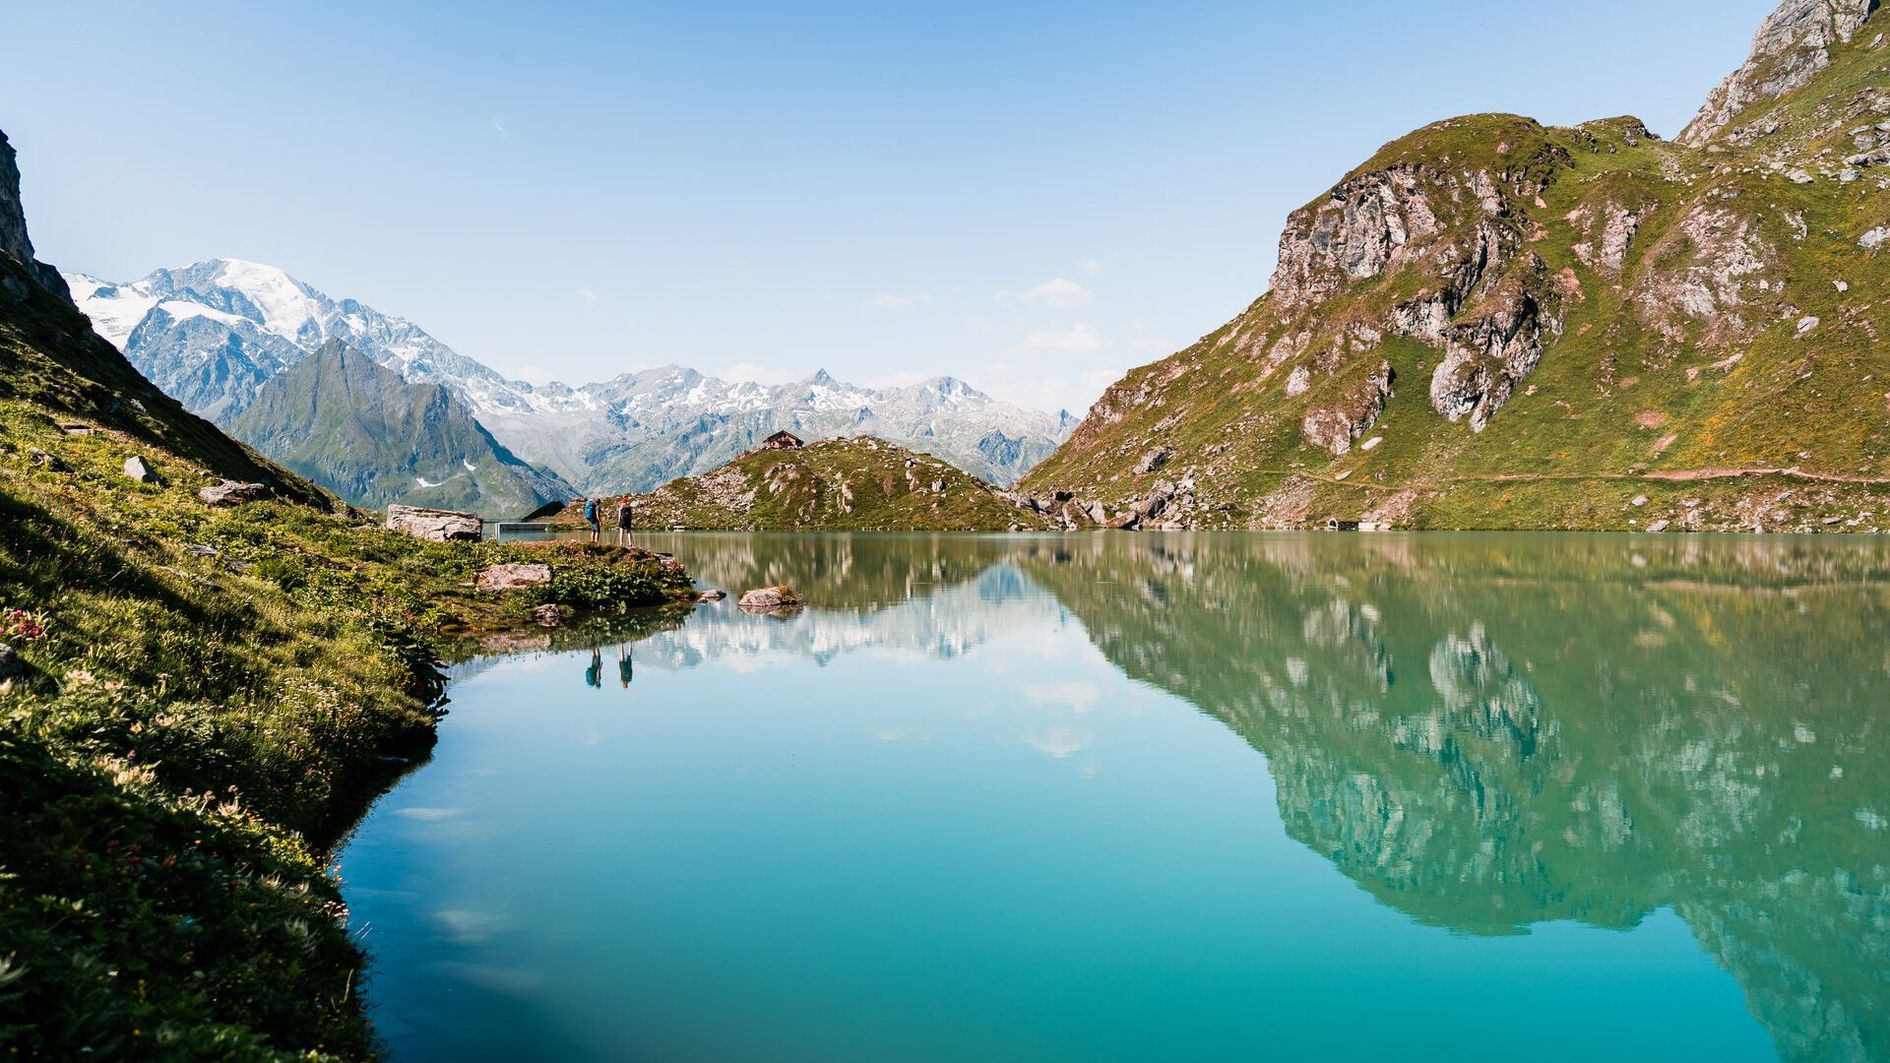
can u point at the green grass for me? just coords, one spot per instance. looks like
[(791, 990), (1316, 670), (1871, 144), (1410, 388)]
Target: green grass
[(210, 698), (1614, 396), (832, 485), (216, 696)]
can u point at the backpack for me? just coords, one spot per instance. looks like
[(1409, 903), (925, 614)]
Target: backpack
[(590, 509)]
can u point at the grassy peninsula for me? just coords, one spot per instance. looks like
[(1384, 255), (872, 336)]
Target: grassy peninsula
[(196, 702)]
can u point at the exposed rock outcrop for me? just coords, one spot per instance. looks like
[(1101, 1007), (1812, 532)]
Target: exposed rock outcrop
[(233, 493), (513, 577), (13, 238), (1485, 360), (437, 525), (1333, 426), (1791, 47)]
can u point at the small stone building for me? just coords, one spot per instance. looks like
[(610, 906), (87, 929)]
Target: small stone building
[(782, 440)]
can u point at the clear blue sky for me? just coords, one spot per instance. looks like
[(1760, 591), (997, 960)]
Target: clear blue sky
[(1030, 196)]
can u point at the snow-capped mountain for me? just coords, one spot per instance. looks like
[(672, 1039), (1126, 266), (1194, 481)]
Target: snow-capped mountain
[(213, 333)]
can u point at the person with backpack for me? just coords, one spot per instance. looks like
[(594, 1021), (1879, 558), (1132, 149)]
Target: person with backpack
[(590, 518)]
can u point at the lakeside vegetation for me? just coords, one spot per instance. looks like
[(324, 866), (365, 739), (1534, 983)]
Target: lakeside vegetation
[(846, 484), (197, 702), (207, 699)]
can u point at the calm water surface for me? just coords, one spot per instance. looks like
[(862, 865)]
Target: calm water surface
[(1128, 797)]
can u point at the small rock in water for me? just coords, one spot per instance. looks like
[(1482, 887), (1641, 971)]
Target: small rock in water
[(136, 469), (513, 577), (232, 493), (770, 600), (711, 596), (546, 615)]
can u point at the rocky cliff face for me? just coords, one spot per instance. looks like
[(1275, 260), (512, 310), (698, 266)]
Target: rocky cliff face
[(1497, 323), (13, 238), (1791, 47)]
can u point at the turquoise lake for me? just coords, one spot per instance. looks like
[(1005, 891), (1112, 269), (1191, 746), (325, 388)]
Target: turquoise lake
[(1144, 797)]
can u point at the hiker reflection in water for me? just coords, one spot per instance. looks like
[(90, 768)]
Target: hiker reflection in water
[(594, 675), (624, 665)]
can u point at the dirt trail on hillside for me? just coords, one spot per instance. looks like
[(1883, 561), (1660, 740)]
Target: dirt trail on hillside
[(1668, 475)]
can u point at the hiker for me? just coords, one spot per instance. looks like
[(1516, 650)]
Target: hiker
[(624, 665), (594, 674), (623, 521), (590, 518)]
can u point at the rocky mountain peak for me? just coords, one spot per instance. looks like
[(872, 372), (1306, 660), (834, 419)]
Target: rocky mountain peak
[(1791, 47), (13, 238)]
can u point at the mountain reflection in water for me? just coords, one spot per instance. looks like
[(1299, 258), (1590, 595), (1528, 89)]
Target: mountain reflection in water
[(1485, 732), (1496, 735)]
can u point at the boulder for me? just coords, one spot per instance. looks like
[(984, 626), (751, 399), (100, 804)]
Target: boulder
[(546, 615), (711, 596), (137, 470), (47, 461), (513, 577), (770, 600), (1143, 510), (1153, 460), (11, 667), (233, 493), (435, 525)]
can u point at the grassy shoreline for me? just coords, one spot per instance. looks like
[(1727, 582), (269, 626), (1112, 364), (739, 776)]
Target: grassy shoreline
[(206, 699)]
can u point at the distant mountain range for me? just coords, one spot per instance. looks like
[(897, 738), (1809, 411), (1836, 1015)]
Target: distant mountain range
[(215, 334), (373, 438)]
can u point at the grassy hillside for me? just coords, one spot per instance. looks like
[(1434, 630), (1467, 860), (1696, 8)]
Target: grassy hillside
[(1497, 324), (857, 484), (373, 438), (195, 702)]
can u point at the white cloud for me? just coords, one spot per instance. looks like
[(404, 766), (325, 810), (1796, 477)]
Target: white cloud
[(894, 301), (1058, 293), (1045, 391), (589, 296), (760, 374), (1089, 266), (1076, 339)]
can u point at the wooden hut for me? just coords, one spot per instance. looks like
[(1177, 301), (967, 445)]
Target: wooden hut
[(782, 440)]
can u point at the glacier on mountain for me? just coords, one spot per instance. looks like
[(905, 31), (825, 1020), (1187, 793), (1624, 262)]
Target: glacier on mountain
[(211, 334)]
